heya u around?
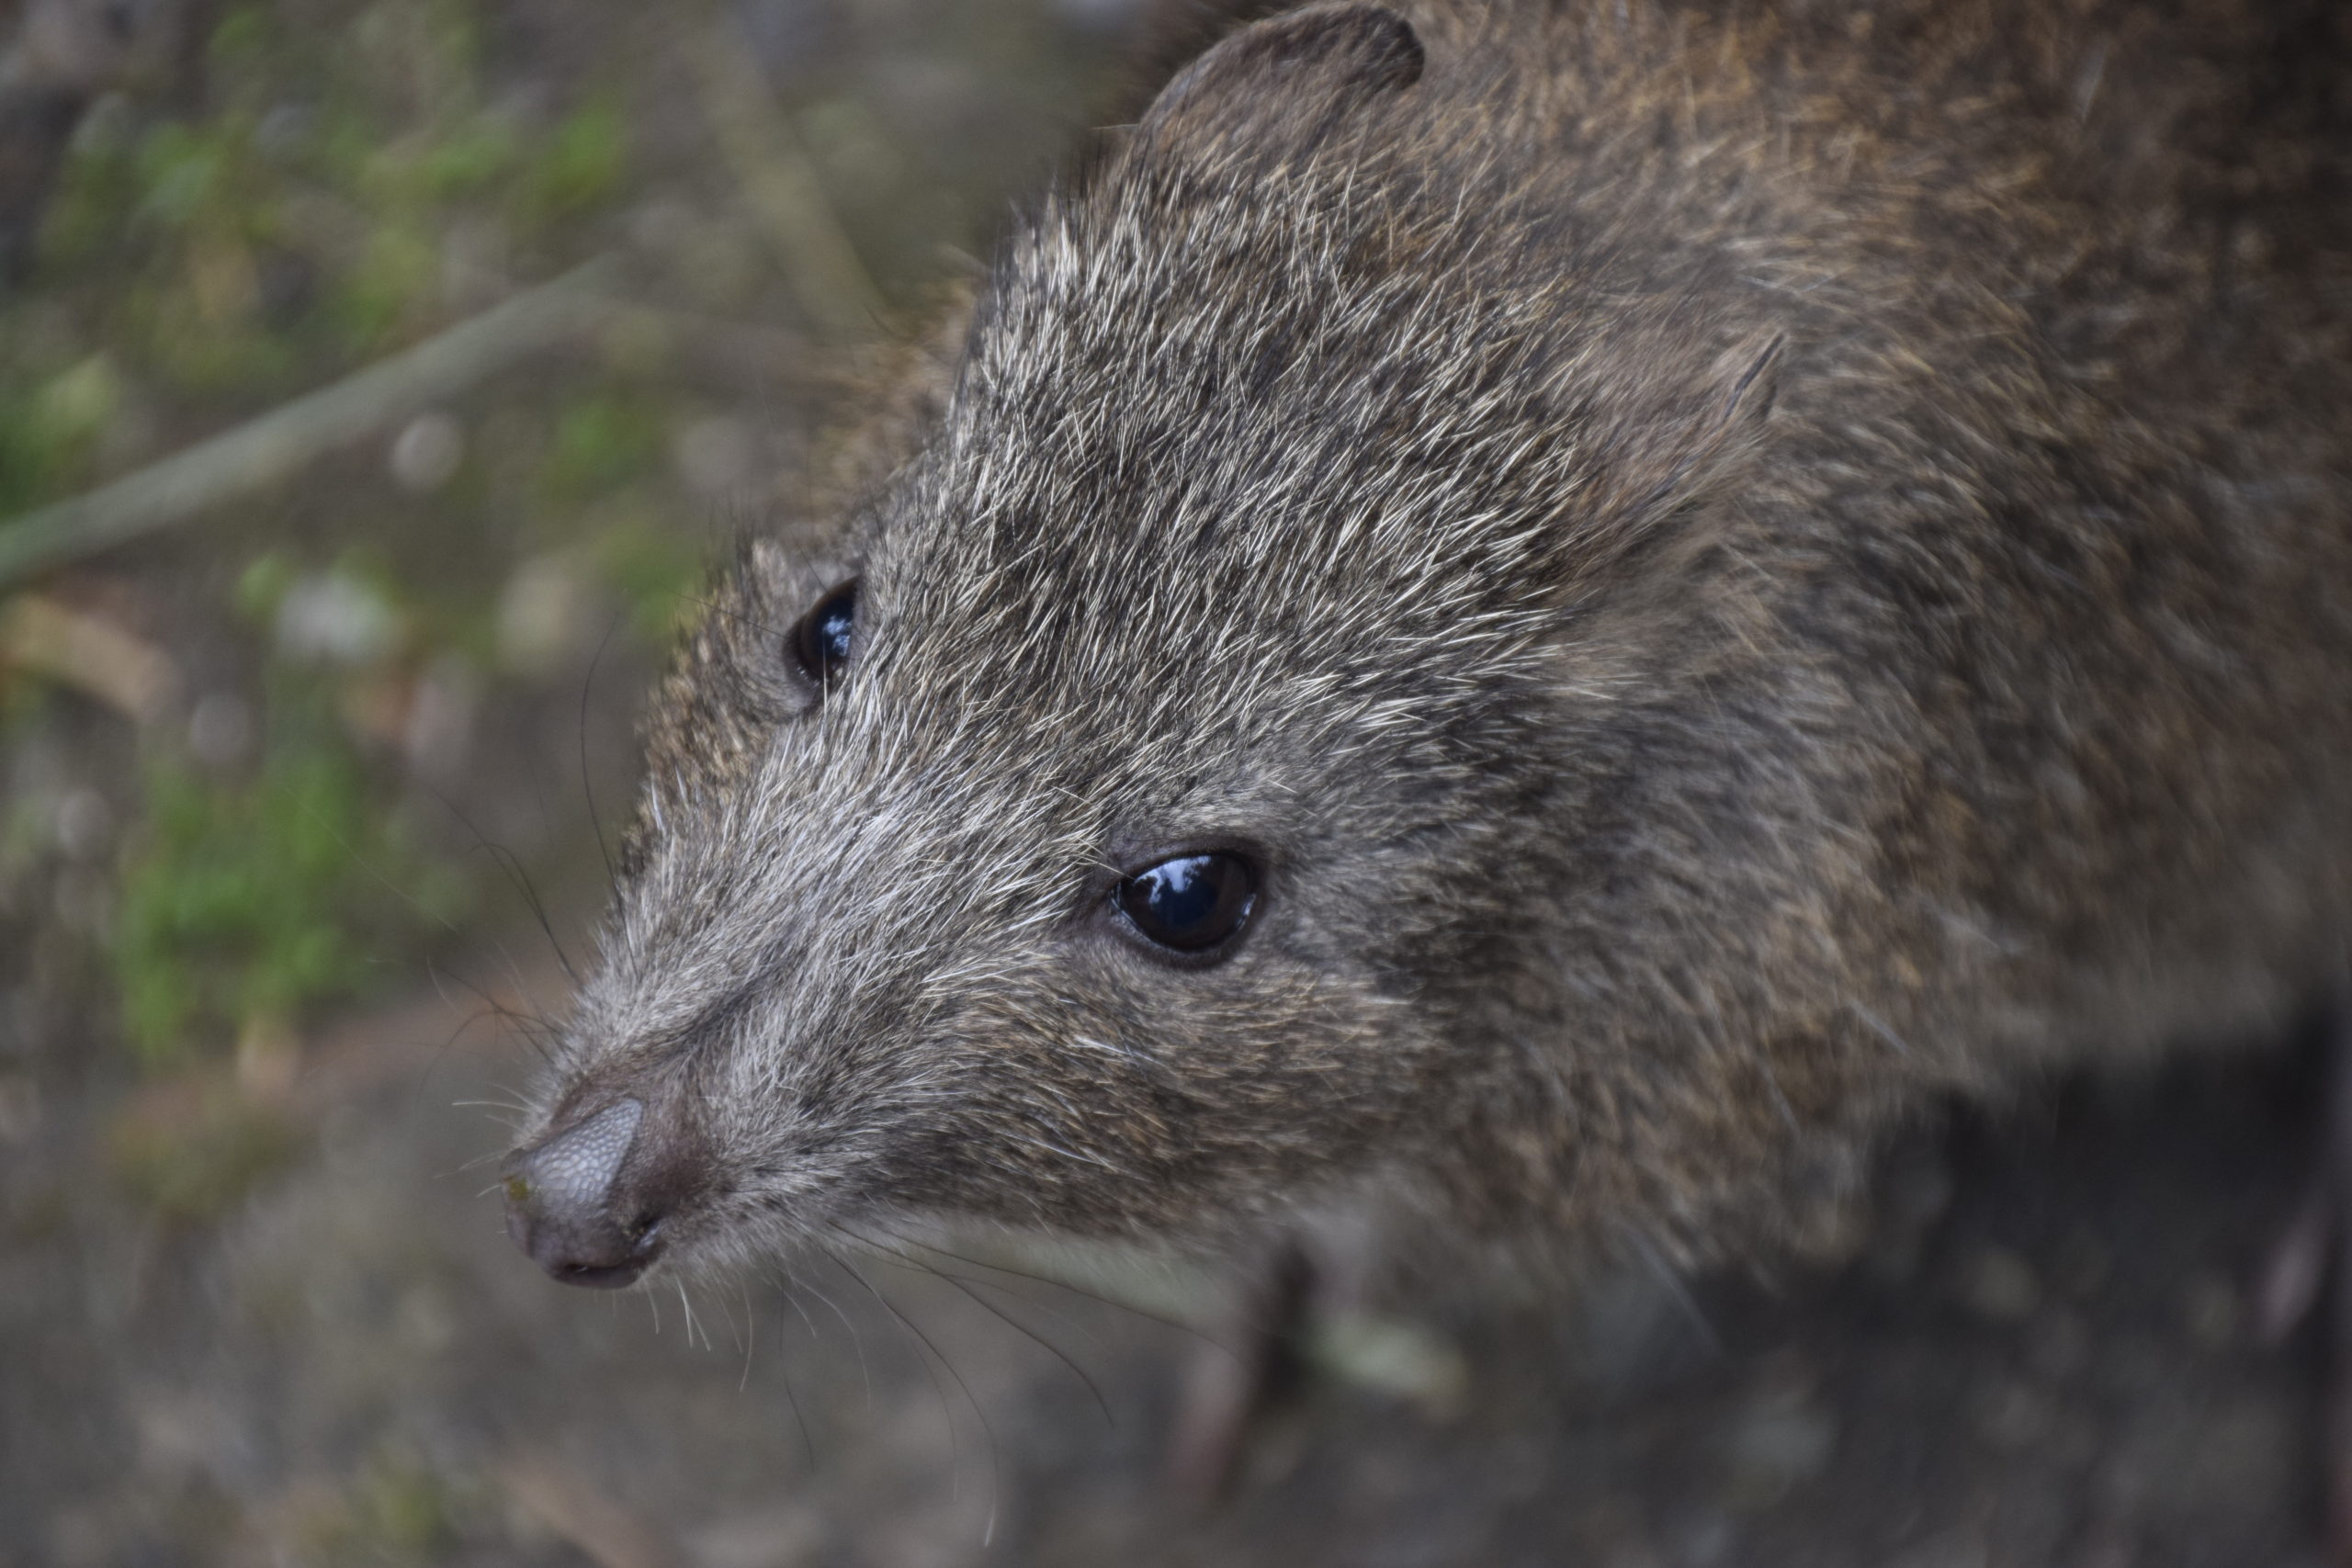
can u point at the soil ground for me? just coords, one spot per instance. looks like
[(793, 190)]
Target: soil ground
[(2043, 1357)]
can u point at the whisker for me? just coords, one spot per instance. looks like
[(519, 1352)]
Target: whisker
[(750, 1338), (713, 607), (857, 1340), (1075, 1325), (507, 862), (954, 1447), (1678, 1290), (587, 790), (783, 1363), (528, 1024), (409, 898), (965, 1289), (1195, 1330)]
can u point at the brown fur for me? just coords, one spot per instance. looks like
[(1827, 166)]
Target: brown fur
[(1741, 565)]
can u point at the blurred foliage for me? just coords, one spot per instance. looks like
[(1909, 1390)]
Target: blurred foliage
[(396, 1510), (347, 172), (324, 182), (194, 1163), (658, 574), (393, 1508), (47, 429), (601, 441), (242, 902), (306, 221), (580, 164)]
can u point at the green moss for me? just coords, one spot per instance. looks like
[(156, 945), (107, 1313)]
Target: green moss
[(393, 1509), (343, 147), (471, 160), (603, 441), (24, 829), (97, 189), (208, 255), (396, 274), (205, 353), (182, 169), (582, 164), (262, 586), (76, 405), (403, 1506), (250, 901), (344, 167), (658, 572), (242, 36), (46, 433)]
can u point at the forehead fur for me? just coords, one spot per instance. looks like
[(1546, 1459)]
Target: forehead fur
[(1243, 412), (1254, 441)]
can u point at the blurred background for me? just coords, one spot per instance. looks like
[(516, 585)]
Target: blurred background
[(376, 378)]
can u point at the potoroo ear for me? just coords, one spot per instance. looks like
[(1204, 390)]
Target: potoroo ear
[(1288, 83)]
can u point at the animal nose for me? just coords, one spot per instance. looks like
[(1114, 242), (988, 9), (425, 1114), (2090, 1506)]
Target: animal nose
[(564, 1208)]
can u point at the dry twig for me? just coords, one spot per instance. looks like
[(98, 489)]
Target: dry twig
[(780, 187), (275, 444)]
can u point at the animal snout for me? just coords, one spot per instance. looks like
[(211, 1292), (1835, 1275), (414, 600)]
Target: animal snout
[(578, 1202)]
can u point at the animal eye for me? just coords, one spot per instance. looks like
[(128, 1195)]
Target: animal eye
[(820, 644), (1191, 903)]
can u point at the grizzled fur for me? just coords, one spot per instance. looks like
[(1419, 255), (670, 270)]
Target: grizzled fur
[(1740, 565)]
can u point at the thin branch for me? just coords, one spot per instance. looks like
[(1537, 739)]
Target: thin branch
[(780, 185), (277, 445)]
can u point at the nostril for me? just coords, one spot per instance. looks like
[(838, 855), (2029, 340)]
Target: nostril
[(560, 1202), (599, 1277)]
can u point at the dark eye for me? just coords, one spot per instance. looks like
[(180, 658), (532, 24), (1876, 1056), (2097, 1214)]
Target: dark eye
[(1191, 903), (821, 645)]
